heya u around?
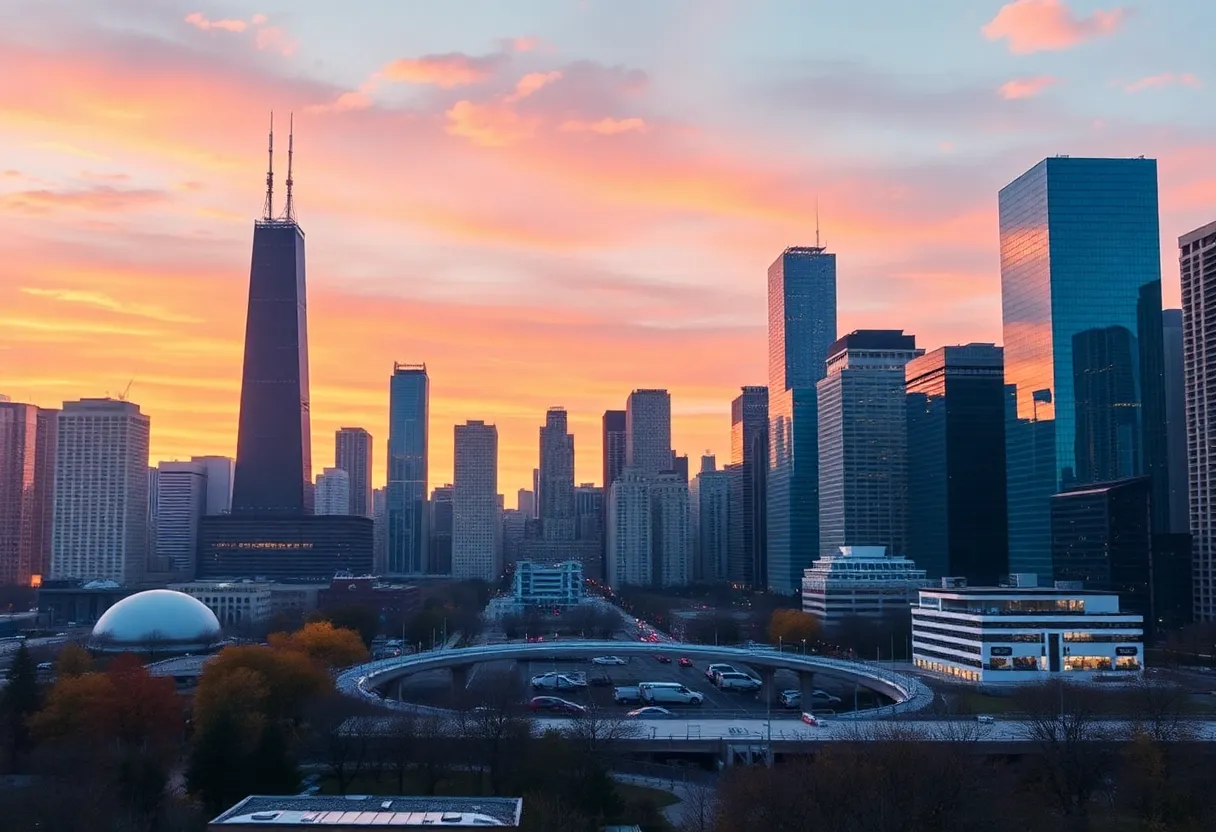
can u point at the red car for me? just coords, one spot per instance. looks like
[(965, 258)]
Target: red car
[(685, 661), (663, 659)]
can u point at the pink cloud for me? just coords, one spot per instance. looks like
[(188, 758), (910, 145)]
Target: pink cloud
[(274, 39), (1048, 25), (532, 82), (525, 44), (1026, 87), (1165, 79), (606, 126), (197, 20), (452, 69), (490, 125)]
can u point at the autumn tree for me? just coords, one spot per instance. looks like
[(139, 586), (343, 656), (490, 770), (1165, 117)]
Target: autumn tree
[(73, 660), (362, 618), (322, 642), (793, 627), (290, 678)]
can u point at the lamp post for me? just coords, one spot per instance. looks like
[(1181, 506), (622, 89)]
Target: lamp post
[(804, 647)]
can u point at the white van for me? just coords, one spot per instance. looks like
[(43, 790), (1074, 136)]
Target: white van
[(669, 693)]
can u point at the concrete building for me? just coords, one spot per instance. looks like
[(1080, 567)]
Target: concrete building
[(441, 529), (237, 604), (540, 585), (353, 454), (749, 449), (589, 512), (709, 520), (863, 442), (860, 581), (670, 540), (525, 502), (332, 492), (27, 479), (1197, 263), (219, 483), (100, 528), (181, 502), (648, 432), (555, 499), (629, 531), (475, 520), (1024, 633)]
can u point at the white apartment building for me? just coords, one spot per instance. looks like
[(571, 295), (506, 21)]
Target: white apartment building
[(861, 580), (181, 500), (629, 530), (541, 585), (671, 540), (235, 603), (475, 515), (100, 527), (332, 495), (1025, 633)]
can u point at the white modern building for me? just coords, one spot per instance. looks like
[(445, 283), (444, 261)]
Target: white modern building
[(353, 454), (475, 520), (333, 492), (709, 522), (235, 603), (861, 580), (670, 541), (648, 432), (181, 501), (100, 526), (544, 585), (629, 530), (1024, 633), (219, 482)]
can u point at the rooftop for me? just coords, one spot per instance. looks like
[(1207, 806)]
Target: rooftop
[(1014, 590), (355, 811)]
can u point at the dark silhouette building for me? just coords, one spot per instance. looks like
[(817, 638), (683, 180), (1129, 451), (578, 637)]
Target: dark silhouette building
[(614, 462), (747, 561)]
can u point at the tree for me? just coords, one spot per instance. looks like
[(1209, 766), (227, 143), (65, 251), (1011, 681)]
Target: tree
[(362, 618), (20, 699), (495, 726), (77, 706), (73, 660), (226, 763), (291, 679), (324, 643), (715, 628), (793, 627), (341, 737)]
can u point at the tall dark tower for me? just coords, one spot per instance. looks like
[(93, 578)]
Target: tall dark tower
[(273, 449)]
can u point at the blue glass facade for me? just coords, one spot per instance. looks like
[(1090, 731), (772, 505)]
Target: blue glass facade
[(274, 450), (1084, 366), (406, 509), (801, 327)]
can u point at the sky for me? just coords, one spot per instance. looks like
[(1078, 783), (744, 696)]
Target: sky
[(549, 203)]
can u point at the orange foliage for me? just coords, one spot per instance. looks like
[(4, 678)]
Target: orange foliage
[(73, 660), (240, 692), (323, 642), (125, 703), (289, 678)]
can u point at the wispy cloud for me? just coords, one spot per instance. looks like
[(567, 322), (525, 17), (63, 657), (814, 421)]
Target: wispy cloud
[(271, 38), (1026, 87), (452, 69), (101, 300), (605, 126), (199, 21), (1048, 25), (101, 198), (1165, 79)]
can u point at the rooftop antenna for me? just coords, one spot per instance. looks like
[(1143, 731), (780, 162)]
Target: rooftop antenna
[(268, 211), (289, 213)]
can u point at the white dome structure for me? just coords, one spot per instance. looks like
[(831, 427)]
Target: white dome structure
[(157, 621)]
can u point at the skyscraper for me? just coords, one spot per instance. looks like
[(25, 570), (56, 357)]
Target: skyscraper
[(670, 541), (1175, 420), (613, 453), (648, 432), (353, 454), (709, 521), (629, 531), (1081, 303), (101, 492), (749, 449), (589, 512), (379, 530), (863, 442), (525, 502), (27, 471), (475, 521), (333, 492), (956, 463), (556, 495), (408, 417), (440, 551), (801, 327), (219, 483), (1197, 261), (181, 502)]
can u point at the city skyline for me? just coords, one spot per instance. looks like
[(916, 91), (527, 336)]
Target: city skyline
[(102, 217)]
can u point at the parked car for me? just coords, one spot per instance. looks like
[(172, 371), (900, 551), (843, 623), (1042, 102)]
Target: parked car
[(685, 661), (628, 695), (46, 666), (663, 659), (738, 681), (825, 697), (603, 680), (558, 681), (669, 693), (790, 699), (711, 672), (649, 712), (985, 719), (609, 660), (554, 704)]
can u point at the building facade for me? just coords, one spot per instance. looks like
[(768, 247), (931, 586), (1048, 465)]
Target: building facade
[(589, 512), (441, 530), (100, 528), (860, 581), (1175, 421), (863, 442), (284, 547), (525, 502), (1081, 306), (27, 480), (613, 462), (541, 585), (237, 604), (181, 504), (801, 327), (648, 432), (379, 530), (556, 496), (475, 520), (710, 512), (408, 419), (749, 449), (670, 538), (332, 492), (629, 531), (353, 454), (956, 463), (995, 635), (219, 483)]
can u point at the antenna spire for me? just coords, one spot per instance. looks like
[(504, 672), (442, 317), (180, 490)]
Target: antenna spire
[(289, 212), (817, 223), (268, 210)]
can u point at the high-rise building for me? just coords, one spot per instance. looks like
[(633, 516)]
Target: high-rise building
[(441, 530), (801, 327), (556, 495), (181, 503), (27, 471), (956, 463), (709, 521), (475, 520), (409, 403), (525, 502), (512, 535), (333, 492), (219, 483), (749, 449), (613, 453), (629, 531), (648, 432), (101, 492), (353, 454), (679, 464), (863, 442), (1081, 304), (670, 541), (379, 530), (589, 512), (1175, 420), (1197, 262)]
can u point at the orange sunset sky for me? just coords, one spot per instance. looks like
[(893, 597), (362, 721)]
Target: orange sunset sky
[(548, 203)]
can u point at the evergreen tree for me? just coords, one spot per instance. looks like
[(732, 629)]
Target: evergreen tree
[(20, 699)]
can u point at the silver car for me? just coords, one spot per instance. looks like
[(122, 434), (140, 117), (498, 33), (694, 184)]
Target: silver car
[(557, 681), (738, 681)]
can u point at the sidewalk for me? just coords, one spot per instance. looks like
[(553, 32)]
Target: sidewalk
[(682, 791)]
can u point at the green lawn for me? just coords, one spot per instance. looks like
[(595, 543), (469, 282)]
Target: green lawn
[(643, 794)]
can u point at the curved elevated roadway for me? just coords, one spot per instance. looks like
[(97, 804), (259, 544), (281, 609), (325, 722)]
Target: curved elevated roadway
[(908, 694)]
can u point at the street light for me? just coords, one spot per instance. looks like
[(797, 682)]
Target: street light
[(804, 647)]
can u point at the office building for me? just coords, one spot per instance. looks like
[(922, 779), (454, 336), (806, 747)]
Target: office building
[(863, 442), (236, 604), (860, 581), (441, 530), (379, 531), (613, 462), (1081, 305), (589, 512), (540, 585), (27, 480), (709, 522), (956, 463), (670, 540), (409, 403), (475, 520), (100, 528), (284, 547), (219, 472), (648, 432), (679, 464), (1024, 633), (555, 499), (629, 531), (353, 454), (801, 327), (525, 501), (181, 504), (749, 449), (333, 492), (513, 521), (1175, 420)]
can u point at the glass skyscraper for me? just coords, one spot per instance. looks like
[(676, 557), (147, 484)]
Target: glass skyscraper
[(1084, 365), (801, 327), (406, 509)]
